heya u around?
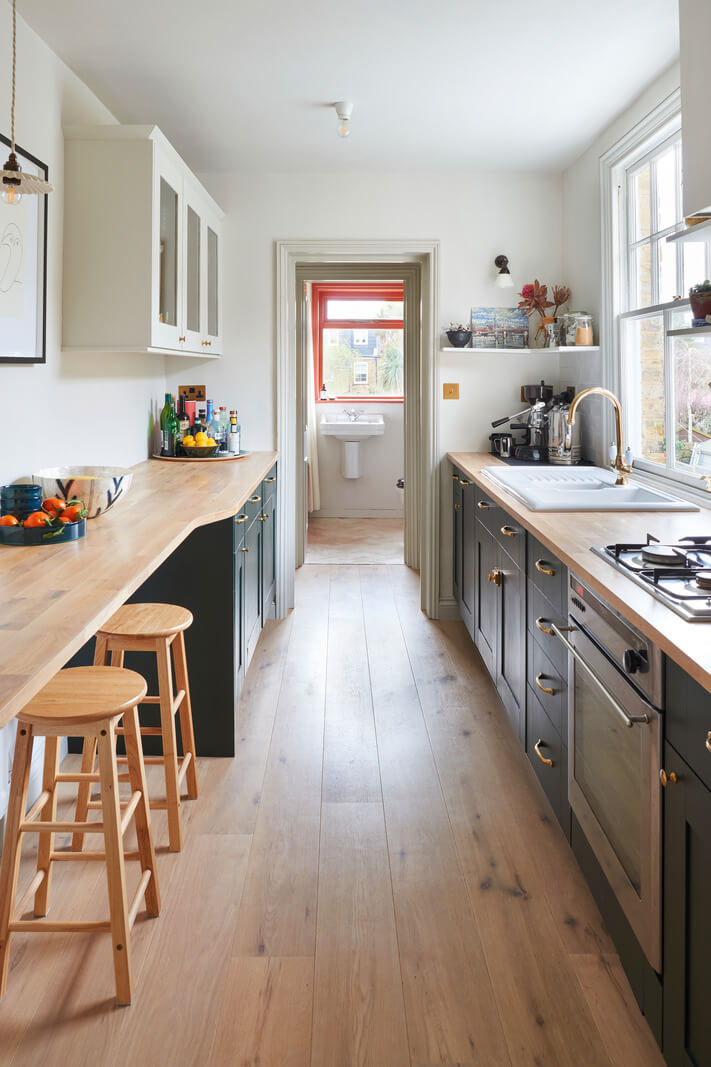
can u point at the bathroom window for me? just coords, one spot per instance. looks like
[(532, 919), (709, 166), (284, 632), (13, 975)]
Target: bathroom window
[(359, 340)]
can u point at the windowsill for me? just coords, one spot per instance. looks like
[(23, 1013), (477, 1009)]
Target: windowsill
[(363, 400), (667, 481)]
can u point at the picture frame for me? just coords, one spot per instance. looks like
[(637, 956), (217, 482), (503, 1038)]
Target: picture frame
[(23, 270)]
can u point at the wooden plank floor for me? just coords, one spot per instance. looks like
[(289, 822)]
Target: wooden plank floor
[(376, 879)]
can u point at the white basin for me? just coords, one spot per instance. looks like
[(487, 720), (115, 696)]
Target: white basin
[(346, 429), (580, 489)]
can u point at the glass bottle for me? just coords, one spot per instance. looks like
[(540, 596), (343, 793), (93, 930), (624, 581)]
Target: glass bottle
[(210, 412), (233, 437), (200, 423), (216, 430), (169, 427), (183, 419)]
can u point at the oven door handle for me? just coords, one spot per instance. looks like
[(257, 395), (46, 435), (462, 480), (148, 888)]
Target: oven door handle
[(629, 720)]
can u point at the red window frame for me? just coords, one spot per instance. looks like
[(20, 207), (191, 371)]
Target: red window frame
[(321, 293)]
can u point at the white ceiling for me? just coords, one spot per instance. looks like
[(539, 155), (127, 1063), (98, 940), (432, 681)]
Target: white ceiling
[(245, 85)]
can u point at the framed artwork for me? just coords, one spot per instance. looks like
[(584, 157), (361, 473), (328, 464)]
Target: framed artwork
[(23, 271)]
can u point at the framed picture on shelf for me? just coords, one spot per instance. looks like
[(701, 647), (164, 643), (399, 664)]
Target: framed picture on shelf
[(23, 270)]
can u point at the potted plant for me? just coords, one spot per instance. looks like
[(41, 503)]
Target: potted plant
[(700, 299), (459, 335)]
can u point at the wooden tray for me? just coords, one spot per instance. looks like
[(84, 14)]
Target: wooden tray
[(199, 459)]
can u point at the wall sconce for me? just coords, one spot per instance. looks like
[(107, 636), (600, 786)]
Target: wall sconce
[(344, 110), (503, 278)]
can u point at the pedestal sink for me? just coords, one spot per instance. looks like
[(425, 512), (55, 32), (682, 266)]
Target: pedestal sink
[(351, 431)]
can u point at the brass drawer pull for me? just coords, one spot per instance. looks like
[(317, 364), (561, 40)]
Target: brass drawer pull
[(264, 518), (667, 779), (181, 339), (495, 577), (544, 629), (245, 549), (543, 569), (708, 741), (270, 480), (457, 507), (483, 505), (537, 750), (544, 688), (456, 477), (241, 519), (509, 531), (463, 481), (255, 500)]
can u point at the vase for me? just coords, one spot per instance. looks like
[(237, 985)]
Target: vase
[(700, 301), (459, 338), (546, 328)]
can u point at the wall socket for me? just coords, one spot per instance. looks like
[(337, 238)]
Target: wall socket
[(191, 392), (450, 390)]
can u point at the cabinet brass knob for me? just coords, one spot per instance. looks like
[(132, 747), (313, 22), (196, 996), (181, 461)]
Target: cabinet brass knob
[(708, 741), (456, 477), (181, 339), (207, 343), (483, 505), (245, 549), (542, 687), (509, 531), (667, 779), (463, 481), (495, 577), (272, 479), (255, 500), (543, 568), (457, 507), (263, 518), (542, 758), (544, 629), (241, 519)]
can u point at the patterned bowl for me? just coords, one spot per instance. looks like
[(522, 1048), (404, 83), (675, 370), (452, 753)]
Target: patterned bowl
[(99, 487)]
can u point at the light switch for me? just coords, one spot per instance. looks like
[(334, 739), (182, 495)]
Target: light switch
[(450, 391)]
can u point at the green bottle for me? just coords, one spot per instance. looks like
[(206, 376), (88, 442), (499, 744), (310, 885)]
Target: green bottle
[(169, 427)]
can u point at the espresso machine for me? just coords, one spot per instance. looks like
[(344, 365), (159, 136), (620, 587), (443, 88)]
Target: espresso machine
[(531, 422)]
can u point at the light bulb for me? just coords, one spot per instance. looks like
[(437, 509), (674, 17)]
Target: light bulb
[(344, 127), (11, 195)]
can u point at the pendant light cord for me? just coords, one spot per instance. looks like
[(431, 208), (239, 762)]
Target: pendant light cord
[(14, 64)]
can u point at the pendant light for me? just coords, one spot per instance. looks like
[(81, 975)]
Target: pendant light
[(14, 183)]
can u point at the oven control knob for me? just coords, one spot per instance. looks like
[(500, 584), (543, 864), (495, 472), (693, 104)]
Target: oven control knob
[(633, 661)]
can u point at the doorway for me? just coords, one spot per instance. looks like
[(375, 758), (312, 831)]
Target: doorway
[(415, 263)]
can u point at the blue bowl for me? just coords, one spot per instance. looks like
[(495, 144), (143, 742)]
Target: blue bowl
[(20, 500)]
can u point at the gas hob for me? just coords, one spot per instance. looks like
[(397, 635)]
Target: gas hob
[(678, 575)]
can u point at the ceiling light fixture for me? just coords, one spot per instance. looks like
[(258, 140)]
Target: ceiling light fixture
[(503, 278), (14, 183), (344, 110)]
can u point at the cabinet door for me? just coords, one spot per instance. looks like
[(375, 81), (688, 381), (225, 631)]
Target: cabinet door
[(193, 289), (511, 659), (211, 341), (457, 540), (252, 588), (687, 916), (468, 588), (268, 555), (486, 618), (239, 627), (168, 260)]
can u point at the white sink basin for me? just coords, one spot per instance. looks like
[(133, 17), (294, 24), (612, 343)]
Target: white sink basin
[(580, 489), (346, 429)]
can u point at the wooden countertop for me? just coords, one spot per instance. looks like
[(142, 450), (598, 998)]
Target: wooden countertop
[(570, 535), (53, 599)]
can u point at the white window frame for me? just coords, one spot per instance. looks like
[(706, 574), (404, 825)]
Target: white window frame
[(360, 366), (645, 140)]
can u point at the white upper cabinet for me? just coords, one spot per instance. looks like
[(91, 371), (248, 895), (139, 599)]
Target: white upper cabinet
[(142, 246), (695, 96)]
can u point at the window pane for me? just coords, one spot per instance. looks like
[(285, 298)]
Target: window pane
[(692, 396), (642, 204), (667, 180), (666, 254), (364, 309), (694, 264), (643, 354), (363, 362), (642, 282)]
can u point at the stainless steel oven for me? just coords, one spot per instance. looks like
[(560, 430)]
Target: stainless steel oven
[(615, 686)]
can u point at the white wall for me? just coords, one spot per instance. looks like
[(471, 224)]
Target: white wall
[(382, 462)]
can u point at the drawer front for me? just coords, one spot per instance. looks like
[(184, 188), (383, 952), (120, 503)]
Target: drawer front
[(688, 720), (548, 574), (488, 512), (541, 614), (543, 675), (549, 759), (512, 538)]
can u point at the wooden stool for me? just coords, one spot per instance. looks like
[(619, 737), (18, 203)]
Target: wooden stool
[(152, 628), (86, 702)]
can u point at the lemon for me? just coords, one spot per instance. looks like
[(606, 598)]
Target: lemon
[(189, 440), (211, 441)]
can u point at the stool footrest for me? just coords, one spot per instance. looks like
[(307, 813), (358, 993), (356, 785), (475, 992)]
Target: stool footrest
[(145, 731), (138, 897), (37, 827), (80, 776), (184, 764), (81, 857), (129, 810), (36, 808), (32, 888), (45, 926)]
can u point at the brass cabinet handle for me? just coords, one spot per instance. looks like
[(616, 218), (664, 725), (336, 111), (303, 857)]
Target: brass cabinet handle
[(544, 629), (207, 343), (241, 519), (708, 741), (456, 477), (457, 507), (542, 758), (263, 518), (509, 531), (255, 500), (272, 479), (181, 339), (544, 688), (245, 549), (543, 569), (483, 505), (463, 481), (495, 577), (667, 779)]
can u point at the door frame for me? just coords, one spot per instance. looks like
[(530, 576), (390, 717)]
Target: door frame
[(414, 260)]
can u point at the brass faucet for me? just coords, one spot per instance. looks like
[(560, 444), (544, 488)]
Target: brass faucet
[(619, 465)]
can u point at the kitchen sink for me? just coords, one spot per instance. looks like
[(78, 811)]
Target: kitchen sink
[(346, 429), (580, 489)]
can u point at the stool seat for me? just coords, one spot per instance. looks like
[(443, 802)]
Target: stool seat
[(147, 620), (85, 694)]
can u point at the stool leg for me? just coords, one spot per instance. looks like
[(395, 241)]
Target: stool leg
[(170, 757), (137, 777), (10, 866), (45, 845), (186, 713), (88, 756), (115, 870)]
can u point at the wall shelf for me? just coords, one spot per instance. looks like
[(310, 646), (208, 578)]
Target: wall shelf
[(700, 232), (526, 351), (691, 331)]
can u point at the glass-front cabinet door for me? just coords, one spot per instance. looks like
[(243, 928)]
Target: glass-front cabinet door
[(194, 256), (167, 304), (213, 303)]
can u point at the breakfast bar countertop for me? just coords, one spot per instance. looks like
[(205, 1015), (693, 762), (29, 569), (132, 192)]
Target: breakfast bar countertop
[(54, 598), (570, 535)]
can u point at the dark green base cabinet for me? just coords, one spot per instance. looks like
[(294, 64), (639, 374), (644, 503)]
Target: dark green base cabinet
[(463, 528)]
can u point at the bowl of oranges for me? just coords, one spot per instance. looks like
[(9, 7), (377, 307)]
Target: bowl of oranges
[(199, 446), (55, 522)]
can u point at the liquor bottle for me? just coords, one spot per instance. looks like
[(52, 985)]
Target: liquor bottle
[(233, 437), (210, 412), (200, 423), (169, 427), (183, 419), (216, 430)]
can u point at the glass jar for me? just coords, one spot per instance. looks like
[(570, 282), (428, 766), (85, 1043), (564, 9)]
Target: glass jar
[(583, 330)]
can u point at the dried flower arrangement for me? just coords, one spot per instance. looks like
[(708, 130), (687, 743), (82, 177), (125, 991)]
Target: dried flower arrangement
[(534, 298)]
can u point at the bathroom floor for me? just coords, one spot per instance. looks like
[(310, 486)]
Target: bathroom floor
[(355, 541)]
